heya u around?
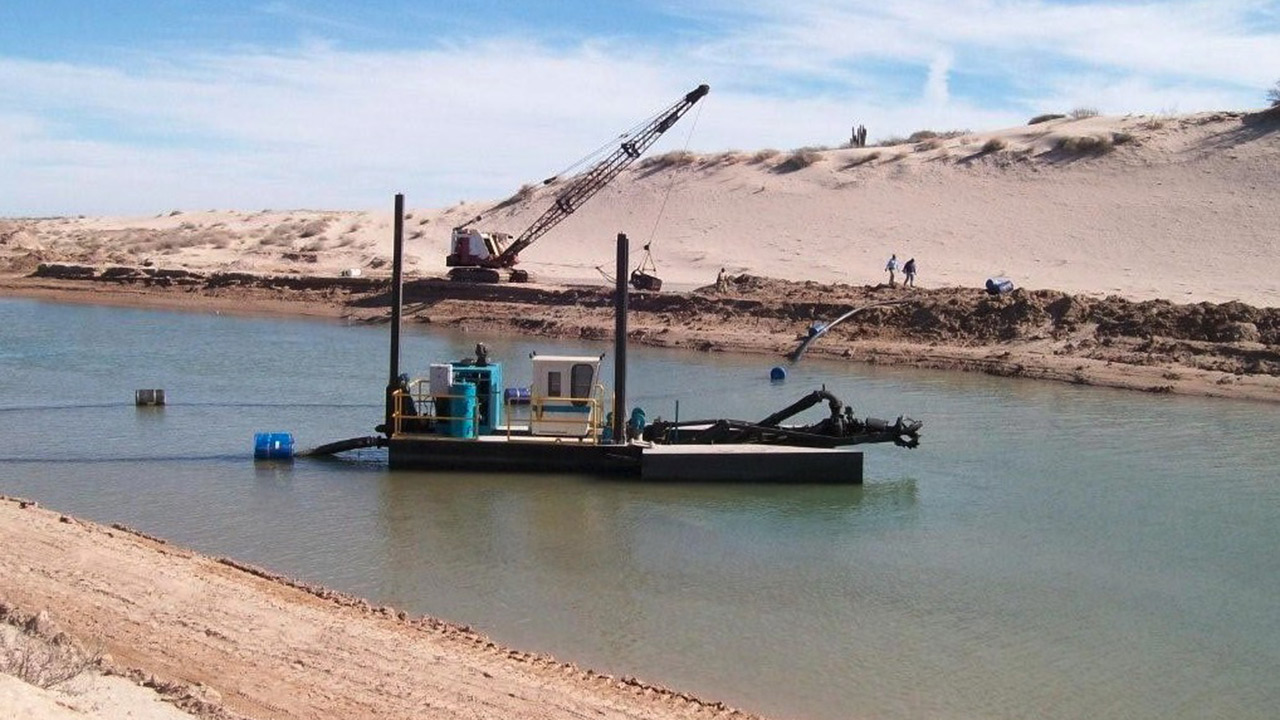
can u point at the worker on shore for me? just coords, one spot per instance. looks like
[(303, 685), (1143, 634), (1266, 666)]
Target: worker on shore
[(909, 273), (722, 282), (892, 268)]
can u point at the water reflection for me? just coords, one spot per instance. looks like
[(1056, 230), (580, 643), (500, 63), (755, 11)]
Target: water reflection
[(1049, 550)]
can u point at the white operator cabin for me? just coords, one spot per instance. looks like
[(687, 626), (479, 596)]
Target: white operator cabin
[(565, 397)]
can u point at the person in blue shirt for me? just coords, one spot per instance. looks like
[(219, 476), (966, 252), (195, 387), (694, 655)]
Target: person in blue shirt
[(892, 267)]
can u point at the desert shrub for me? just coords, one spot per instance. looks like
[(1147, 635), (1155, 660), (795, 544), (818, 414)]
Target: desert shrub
[(313, 228), (861, 160), (1121, 138), (1081, 113), (993, 145), (765, 155), (1085, 145), (728, 157), (921, 135), (675, 158), (892, 140), (42, 661), (1045, 118), (524, 193), (314, 246), (1154, 123), (1273, 95), (798, 160)]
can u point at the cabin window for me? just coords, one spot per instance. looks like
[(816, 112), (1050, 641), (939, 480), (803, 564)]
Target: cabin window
[(580, 379), (553, 384)]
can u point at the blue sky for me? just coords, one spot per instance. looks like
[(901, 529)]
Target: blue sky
[(143, 106)]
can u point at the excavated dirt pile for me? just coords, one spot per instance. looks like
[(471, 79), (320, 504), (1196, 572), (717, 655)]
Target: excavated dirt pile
[(748, 313), (1231, 337)]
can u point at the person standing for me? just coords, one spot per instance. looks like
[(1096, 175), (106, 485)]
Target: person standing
[(909, 273), (892, 268)]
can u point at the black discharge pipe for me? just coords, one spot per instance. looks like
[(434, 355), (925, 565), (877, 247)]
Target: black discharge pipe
[(397, 302), (620, 293)]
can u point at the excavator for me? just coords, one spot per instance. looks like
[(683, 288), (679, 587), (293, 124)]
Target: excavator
[(490, 257)]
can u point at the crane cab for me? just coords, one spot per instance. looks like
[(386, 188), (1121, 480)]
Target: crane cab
[(565, 396), (472, 248)]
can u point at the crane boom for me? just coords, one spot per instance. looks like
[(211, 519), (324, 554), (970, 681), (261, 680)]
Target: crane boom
[(591, 182), (478, 255)]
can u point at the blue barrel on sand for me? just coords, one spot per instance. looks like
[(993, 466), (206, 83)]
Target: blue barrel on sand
[(272, 446)]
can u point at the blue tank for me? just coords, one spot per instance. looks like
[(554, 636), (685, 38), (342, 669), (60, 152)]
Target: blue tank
[(459, 412)]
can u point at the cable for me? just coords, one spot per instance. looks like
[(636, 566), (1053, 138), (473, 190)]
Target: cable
[(653, 232)]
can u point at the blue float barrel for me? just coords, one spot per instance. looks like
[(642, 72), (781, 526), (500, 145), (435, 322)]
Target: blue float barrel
[(778, 373), (272, 446)]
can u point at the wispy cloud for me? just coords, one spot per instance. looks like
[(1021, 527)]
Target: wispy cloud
[(318, 122)]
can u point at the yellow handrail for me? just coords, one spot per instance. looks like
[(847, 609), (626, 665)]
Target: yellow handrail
[(421, 400)]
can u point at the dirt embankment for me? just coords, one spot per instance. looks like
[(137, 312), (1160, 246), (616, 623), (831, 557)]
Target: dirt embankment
[(1227, 349), (228, 641)]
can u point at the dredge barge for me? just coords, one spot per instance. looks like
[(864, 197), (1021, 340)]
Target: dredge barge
[(461, 417)]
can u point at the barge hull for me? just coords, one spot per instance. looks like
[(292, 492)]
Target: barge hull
[(656, 463), (430, 453), (750, 463)]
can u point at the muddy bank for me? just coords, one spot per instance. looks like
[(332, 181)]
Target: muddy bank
[(1217, 349)]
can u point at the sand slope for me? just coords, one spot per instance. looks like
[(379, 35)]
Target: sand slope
[(1183, 208), (259, 646)]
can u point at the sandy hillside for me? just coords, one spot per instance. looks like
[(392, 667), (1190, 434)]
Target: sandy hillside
[(1182, 208)]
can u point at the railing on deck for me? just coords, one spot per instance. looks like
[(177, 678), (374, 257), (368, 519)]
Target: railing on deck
[(425, 420), (594, 419)]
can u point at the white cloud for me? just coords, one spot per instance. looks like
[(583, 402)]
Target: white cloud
[(935, 89), (320, 126)]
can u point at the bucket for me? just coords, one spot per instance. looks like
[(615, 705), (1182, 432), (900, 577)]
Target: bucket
[(272, 446)]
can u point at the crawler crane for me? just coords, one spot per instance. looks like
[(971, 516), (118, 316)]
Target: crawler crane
[(480, 256)]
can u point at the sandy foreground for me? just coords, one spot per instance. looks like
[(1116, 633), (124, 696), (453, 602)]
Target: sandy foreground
[(222, 640)]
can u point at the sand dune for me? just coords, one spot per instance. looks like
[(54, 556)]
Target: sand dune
[(1182, 208)]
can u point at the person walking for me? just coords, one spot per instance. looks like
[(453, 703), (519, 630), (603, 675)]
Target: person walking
[(909, 273), (892, 268)]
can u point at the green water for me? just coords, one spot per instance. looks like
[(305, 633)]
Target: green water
[(1049, 551)]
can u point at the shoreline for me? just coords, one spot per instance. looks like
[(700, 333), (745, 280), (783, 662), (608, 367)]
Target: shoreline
[(222, 639), (1028, 334)]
